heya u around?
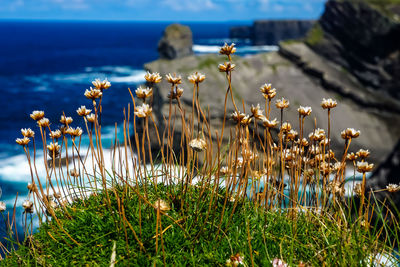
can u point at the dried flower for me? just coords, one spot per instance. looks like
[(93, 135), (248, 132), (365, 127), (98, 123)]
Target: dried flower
[(153, 77), (282, 103), (74, 173), (228, 49), (246, 120), (54, 149), (392, 188), (266, 88), (257, 112), (358, 189), (224, 170), (336, 188), (37, 115), (239, 162), (286, 127), (350, 133), (74, 131), (143, 93), (196, 78), (32, 187), (22, 141), (174, 80), (176, 93), (2, 206), (143, 111), (364, 167), (269, 124), (238, 116), (363, 154), (351, 156), (28, 206), (278, 263), (235, 260), (66, 120), (304, 111), (55, 134), (44, 122), (303, 142), (91, 118), (28, 132), (317, 135), (291, 135), (162, 205), (328, 103), (83, 111), (226, 67), (198, 144), (271, 94), (338, 166), (100, 85), (93, 93)]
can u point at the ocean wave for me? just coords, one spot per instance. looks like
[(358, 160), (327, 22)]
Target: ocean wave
[(240, 50)]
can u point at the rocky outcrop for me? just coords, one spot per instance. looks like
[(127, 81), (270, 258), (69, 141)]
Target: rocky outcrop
[(364, 40), (271, 32), (176, 42)]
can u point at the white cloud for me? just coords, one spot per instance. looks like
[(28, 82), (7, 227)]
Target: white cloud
[(191, 5), (71, 4)]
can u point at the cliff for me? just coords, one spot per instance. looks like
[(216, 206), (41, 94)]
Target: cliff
[(271, 32)]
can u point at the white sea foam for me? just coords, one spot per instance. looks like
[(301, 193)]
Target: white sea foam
[(243, 50)]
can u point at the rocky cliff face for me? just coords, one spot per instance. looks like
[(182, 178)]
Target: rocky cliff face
[(177, 42), (364, 40), (271, 32)]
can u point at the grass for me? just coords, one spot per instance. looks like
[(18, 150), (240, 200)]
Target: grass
[(268, 193), (315, 35)]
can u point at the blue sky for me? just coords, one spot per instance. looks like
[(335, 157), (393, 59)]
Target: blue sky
[(161, 10)]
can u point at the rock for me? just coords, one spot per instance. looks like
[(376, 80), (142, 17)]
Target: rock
[(241, 32), (176, 42)]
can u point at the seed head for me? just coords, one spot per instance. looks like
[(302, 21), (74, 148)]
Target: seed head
[(162, 205), (246, 120), (392, 188), (351, 156), (28, 206), (328, 103), (22, 141), (257, 112), (237, 116), (304, 111), (54, 149), (44, 122), (55, 134), (266, 88), (93, 93), (317, 135), (153, 77), (198, 144), (282, 103), (228, 49), (364, 167), (358, 189), (37, 115), (143, 111), (270, 124), (143, 93), (176, 93), (83, 111), (286, 127), (74, 131), (74, 173), (336, 188), (101, 85), (363, 154), (196, 78), (2, 206), (66, 120), (91, 118), (174, 80), (224, 170), (271, 94), (226, 67), (32, 187), (291, 135), (28, 132)]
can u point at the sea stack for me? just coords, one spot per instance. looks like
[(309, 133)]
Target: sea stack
[(176, 42)]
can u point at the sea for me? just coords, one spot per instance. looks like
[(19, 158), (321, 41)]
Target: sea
[(47, 65)]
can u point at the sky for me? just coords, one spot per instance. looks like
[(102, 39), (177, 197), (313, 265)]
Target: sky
[(161, 10)]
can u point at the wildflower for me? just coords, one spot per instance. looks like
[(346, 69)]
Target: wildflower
[(93, 93), (23, 141), (2, 206), (271, 94), (315, 150), (291, 135), (282, 103), (37, 115), (228, 49), (57, 195), (28, 132), (238, 116), (266, 88), (257, 112), (325, 167), (235, 260), (309, 174), (328, 103), (32, 187), (66, 120), (338, 166), (336, 188), (226, 67), (174, 80), (303, 142), (317, 135), (153, 77), (176, 93), (74, 131), (269, 124), (224, 170), (74, 173), (83, 111), (101, 85), (44, 122), (54, 149), (278, 263), (358, 190), (239, 162), (286, 127), (350, 133), (351, 156), (363, 154), (246, 120), (330, 154), (304, 111), (364, 167), (91, 118), (287, 155), (161, 205), (196, 78), (248, 154), (143, 111), (392, 188), (198, 144), (143, 93), (28, 206)]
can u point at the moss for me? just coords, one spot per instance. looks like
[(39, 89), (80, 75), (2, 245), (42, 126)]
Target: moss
[(315, 35), (207, 63)]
